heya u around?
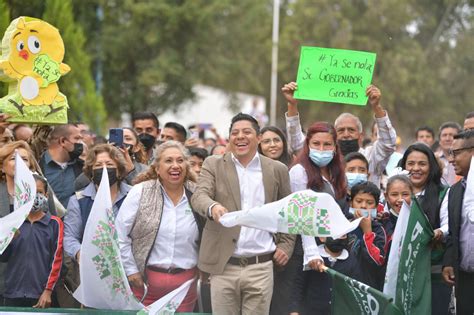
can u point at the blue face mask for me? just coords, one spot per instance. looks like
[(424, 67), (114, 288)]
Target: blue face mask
[(355, 178), (365, 212), (321, 158)]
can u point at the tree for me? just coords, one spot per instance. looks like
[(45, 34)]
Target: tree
[(78, 85), (4, 22), (424, 66), (151, 52), (154, 52), (240, 58)]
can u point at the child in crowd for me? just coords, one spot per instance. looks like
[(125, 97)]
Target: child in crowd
[(368, 241), (34, 256), (357, 172), (399, 189), (198, 155), (311, 292), (356, 168)]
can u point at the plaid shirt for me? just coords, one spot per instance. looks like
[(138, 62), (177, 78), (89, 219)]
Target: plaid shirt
[(377, 154), (449, 175)]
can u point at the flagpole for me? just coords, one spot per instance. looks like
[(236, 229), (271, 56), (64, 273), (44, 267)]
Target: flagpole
[(274, 77)]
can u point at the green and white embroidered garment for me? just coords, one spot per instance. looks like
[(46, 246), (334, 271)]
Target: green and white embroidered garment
[(168, 304), (304, 212), (25, 192), (104, 284)]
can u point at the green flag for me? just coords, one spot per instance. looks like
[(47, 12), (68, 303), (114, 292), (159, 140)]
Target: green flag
[(413, 292), (350, 296)]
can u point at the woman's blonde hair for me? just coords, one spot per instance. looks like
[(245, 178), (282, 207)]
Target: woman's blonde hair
[(8, 149), (152, 172), (114, 153)]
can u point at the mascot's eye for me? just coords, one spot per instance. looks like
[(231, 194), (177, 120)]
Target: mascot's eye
[(20, 45), (34, 44)]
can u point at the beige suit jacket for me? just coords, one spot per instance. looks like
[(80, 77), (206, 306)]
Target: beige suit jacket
[(219, 182)]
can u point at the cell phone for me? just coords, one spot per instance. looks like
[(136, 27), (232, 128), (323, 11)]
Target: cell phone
[(116, 136), (193, 133), (204, 126)]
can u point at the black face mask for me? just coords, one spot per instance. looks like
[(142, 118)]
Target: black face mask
[(147, 140), (348, 146), (336, 246), (97, 175), (77, 151)]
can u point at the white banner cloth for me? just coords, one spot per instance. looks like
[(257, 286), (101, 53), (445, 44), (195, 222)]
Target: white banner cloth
[(303, 212), (25, 193)]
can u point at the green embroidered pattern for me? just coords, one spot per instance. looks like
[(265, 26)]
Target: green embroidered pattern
[(107, 262), (302, 212)]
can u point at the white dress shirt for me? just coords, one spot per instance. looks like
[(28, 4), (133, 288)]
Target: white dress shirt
[(299, 181), (176, 245), (252, 242)]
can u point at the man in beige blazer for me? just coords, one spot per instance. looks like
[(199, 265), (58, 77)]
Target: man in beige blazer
[(240, 259)]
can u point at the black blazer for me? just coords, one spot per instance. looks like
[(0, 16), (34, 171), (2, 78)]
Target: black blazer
[(451, 256)]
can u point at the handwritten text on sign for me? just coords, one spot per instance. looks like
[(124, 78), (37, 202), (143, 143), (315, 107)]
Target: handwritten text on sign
[(334, 75)]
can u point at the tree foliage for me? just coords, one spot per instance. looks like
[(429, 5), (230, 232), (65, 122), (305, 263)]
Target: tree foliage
[(4, 22), (154, 52), (424, 66), (148, 54)]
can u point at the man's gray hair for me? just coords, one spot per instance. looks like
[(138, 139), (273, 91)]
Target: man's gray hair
[(348, 115)]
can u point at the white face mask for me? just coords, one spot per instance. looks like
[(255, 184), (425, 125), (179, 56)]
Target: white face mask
[(365, 212), (40, 203)]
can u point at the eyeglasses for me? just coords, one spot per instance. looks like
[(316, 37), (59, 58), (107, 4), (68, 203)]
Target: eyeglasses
[(456, 152)]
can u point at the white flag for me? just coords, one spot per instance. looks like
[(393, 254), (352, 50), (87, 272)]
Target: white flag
[(391, 275), (304, 212), (25, 193), (168, 304), (104, 284)]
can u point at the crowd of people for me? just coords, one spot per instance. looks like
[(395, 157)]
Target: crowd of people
[(169, 188)]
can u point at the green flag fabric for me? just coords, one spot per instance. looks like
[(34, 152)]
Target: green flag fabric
[(350, 296), (413, 292)]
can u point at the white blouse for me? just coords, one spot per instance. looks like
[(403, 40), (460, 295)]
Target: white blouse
[(176, 245)]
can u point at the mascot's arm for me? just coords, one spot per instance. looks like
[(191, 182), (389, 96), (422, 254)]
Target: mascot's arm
[(64, 68), (8, 70)]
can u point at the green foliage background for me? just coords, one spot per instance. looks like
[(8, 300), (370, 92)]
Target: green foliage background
[(151, 53)]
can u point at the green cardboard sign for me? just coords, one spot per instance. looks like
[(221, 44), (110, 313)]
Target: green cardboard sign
[(334, 75), (31, 63)]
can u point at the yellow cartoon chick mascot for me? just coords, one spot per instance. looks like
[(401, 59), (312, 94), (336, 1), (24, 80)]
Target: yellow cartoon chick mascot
[(31, 61)]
